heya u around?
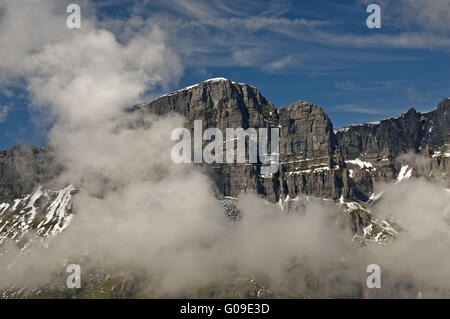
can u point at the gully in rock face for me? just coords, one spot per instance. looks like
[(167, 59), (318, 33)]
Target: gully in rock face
[(213, 151)]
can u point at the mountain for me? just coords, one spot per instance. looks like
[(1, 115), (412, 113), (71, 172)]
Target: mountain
[(382, 145), (316, 161), (23, 167), (311, 162)]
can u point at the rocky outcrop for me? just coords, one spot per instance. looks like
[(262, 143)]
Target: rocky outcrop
[(310, 159), (42, 213), (23, 167), (311, 162), (412, 131), (222, 104), (315, 160), (419, 141)]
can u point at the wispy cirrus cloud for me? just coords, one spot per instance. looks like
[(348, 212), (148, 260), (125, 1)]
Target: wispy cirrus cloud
[(219, 33), (413, 94), (354, 108), (311, 43), (4, 110), (226, 33), (401, 40), (349, 85), (280, 64), (416, 14)]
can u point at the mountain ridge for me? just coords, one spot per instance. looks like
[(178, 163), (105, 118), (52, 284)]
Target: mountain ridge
[(313, 155), (316, 164), (315, 159)]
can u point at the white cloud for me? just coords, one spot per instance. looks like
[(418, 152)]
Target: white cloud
[(347, 85), (4, 110), (280, 63), (367, 86), (353, 108), (81, 74), (217, 33), (423, 14), (413, 94), (402, 40)]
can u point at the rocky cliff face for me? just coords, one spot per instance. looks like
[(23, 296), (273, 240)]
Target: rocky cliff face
[(378, 151), (224, 104), (412, 131), (315, 160), (23, 167), (311, 162)]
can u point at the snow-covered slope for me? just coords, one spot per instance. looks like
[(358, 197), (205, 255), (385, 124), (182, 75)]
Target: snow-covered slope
[(43, 213)]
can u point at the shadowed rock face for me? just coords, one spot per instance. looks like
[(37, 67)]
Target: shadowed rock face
[(314, 160), (23, 167), (384, 143), (392, 137), (224, 104), (311, 162)]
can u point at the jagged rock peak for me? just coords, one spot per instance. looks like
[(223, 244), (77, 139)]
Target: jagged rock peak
[(21, 149), (205, 83), (209, 98), (303, 106), (411, 111), (445, 103), (301, 103)]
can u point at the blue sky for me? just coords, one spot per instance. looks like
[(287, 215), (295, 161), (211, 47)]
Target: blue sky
[(320, 51)]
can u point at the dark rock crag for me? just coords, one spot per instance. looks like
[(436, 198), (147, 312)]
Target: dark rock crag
[(312, 155), (315, 160), (310, 160), (389, 144), (23, 167)]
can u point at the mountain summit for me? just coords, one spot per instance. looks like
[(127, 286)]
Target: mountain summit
[(315, 160), (339, 168)]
